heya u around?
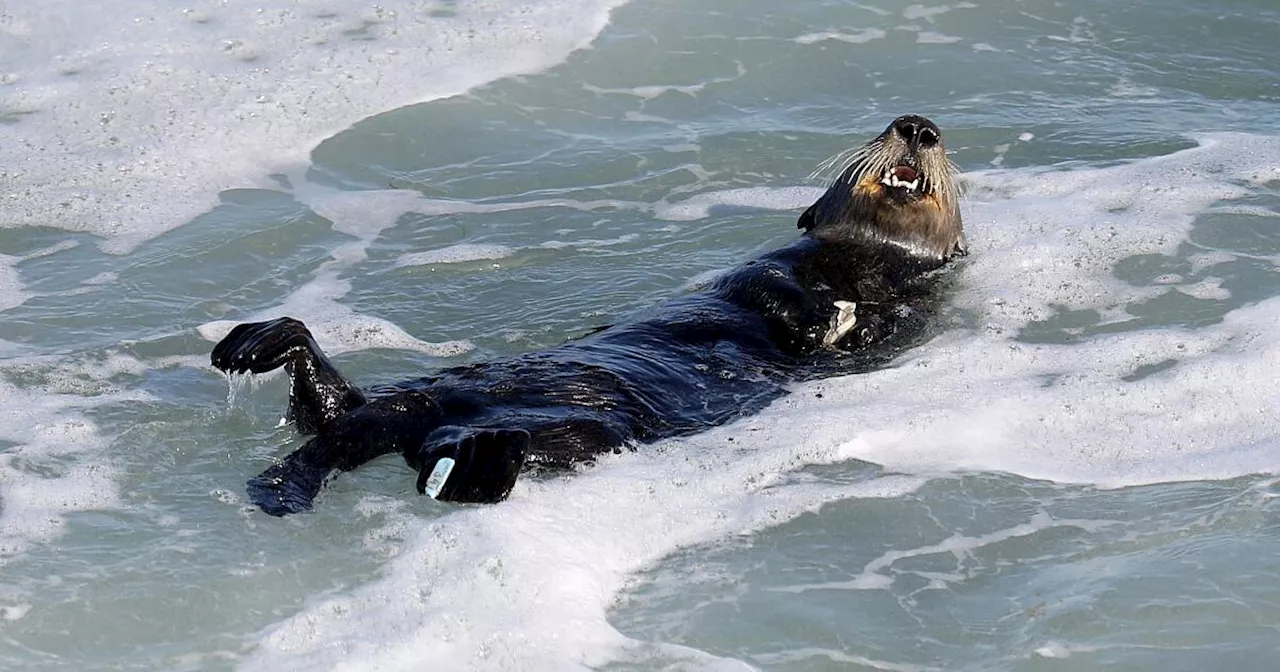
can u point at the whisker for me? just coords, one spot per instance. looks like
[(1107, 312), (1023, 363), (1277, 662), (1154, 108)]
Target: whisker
[(830, 169)]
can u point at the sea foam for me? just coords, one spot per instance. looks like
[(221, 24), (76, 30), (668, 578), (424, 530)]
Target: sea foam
[(56, 462), (127, 123)]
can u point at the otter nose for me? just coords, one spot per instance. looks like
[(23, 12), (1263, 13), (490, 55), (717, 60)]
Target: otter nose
[(916, 131)]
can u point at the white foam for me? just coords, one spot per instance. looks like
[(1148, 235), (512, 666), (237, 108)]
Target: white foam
[(860, 37), (12, 290), (126, 121), (913, 12), (103, 278), (764, 198), (336, 327), (1063, 413), (57, 464), (366, 213), (1059, 650), (875, 575), (1209, 289), (588, 243), (527, 584), (1050, 237), (934, 37), (15, 612), (649, 92), (471, 252), (456, 254)]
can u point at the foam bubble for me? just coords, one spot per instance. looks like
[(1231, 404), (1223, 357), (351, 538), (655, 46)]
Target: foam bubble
[(1041, 233), (103, 278), (934, 37), (127, 122), (336, 327), (12, 290), (55, 463), (649, 92), (1060, 651), (874, 577), (764, 198), (913, 12), (455, 254), (860, 37), (1066, 412), (588, 243), (364, 214), (14, 612)]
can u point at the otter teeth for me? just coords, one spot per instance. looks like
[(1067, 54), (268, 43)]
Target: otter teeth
[(890, 179)]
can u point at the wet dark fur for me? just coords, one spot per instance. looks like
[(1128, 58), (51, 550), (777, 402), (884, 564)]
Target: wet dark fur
[(701, 359)]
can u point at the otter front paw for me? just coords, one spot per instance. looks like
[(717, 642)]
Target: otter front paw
[(467, 464), (259, 347)]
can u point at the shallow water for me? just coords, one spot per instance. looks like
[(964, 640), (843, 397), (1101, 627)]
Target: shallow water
[(1077, 472)]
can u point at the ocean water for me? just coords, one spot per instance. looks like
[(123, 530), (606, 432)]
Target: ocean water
[(1078, 472)]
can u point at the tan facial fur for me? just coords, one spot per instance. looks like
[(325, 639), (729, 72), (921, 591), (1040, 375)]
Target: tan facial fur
[(899, 188)]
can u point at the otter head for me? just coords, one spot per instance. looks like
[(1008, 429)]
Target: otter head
[(898, 189)]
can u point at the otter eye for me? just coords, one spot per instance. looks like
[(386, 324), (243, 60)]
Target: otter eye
[(928, 137)]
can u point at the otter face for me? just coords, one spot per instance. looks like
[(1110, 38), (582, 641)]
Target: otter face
[(899, 188), (909, 143)]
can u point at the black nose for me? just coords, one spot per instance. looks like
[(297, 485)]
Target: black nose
[(917, 131)]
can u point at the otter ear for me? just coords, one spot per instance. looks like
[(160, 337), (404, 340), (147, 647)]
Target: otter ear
[(808, 219)]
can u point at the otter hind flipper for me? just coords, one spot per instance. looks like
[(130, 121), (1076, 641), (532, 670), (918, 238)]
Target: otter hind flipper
[(288, 486), (470, 464), (318, 392)]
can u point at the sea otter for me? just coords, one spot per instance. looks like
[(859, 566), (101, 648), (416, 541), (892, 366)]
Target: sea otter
[(854, 289)]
